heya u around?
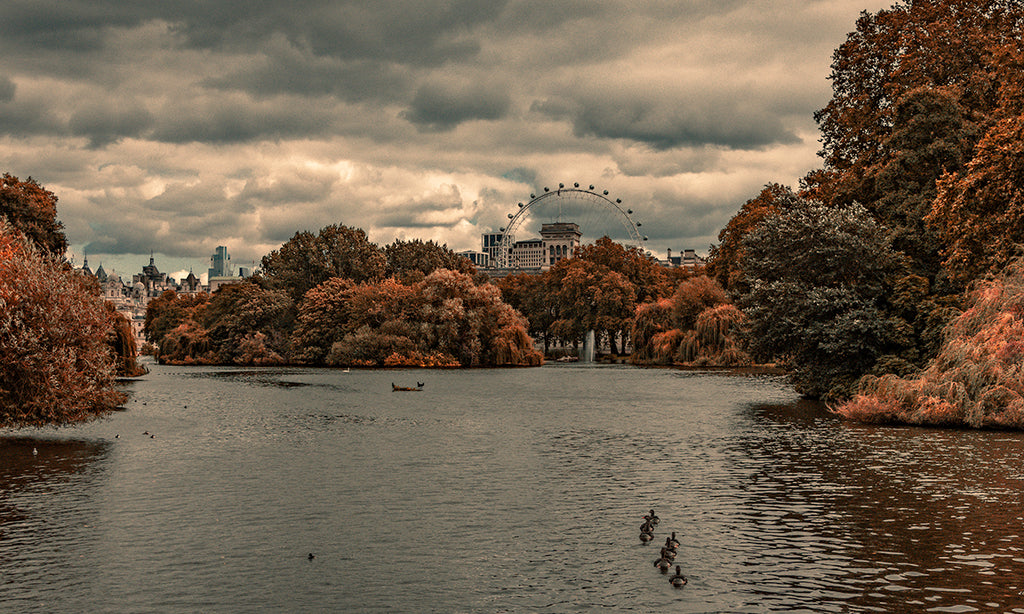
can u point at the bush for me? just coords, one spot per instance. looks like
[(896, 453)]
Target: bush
[(976, 380)]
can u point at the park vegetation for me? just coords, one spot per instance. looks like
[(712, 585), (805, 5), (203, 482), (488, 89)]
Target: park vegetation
[(890, 276), (890, 283), (61, 346), (332, 298)]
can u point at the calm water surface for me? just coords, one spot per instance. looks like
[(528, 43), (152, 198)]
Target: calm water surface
[(501, 491)]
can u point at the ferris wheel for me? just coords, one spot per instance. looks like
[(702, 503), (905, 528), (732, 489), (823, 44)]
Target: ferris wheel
[(595, 212)]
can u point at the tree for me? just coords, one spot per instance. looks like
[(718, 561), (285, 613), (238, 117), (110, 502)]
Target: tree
[(591, 296), (819, 276), (55, 364), (169, 311), (307, 260), (248, 324), (642, 271), (32, 210), (411, 261), (338, 308), (914, 44), (724, 259), (981, 212), (977, 378), (533, 297)]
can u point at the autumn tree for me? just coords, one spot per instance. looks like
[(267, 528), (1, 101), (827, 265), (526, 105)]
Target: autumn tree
[(411, 261), (591, 296), (248, 324), (914, 44), (976, 379), (169, 311), (55, 364), (307, 260), (333, 312), (819, 278), (32, 210), (641, 270), (534, 298)]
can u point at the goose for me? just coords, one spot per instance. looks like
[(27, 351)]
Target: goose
[(673, 540), (645, 537), (652, 518), (668, 554), (678, 580), (663, 564)]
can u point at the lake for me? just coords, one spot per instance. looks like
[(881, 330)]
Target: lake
[(504, 490)]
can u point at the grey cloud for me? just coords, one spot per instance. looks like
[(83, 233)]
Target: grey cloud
[(442, 106), (221, 120), (104, 123), (669, 124), (7, 89)]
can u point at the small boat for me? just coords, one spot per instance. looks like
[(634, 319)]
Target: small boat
[(396, 388)]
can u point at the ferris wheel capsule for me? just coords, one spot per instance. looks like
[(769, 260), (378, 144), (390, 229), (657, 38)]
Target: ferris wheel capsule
[(546, 189), (606, 192), (520, 205), (576, 185), (629, 211), (510, 216)]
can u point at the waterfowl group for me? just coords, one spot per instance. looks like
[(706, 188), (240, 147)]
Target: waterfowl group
[(668, 552)]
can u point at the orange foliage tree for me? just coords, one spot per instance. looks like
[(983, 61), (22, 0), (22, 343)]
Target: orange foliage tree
[(55, 365), (32, 210), (976, 380)]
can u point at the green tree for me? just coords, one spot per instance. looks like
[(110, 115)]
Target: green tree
[(724, 259), (55, 364), (32, 210), (819, 277), (308, 260)]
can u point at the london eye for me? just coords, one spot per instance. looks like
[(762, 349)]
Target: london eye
[(595, 212)]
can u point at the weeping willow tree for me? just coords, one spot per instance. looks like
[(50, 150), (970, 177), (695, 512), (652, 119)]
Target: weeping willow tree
[(697, 326), (976, 380), (121, 340)]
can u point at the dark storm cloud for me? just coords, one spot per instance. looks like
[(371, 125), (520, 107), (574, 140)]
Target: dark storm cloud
[(442, 106), (216, 119), (103, 124), (666, 123), (7, 89)]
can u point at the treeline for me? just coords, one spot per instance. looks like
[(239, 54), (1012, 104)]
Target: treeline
[(333, 298), (664, 316), (61, 346), (862, 270)]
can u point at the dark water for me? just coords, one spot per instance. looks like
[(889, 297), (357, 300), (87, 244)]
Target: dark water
[(501, 491)]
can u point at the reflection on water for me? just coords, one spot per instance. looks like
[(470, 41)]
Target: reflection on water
[(502, 491)]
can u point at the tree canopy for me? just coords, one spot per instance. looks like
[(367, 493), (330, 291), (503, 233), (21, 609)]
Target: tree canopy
[(32, 210), (818, 280), (57, 367)]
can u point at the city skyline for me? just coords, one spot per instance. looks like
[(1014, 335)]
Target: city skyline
[(172, 128)]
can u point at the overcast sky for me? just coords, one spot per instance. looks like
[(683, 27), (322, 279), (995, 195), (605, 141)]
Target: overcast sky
[(175, 126)]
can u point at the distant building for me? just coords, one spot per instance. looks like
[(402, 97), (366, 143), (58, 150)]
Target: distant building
[(557, 242), (491, 245), (480, 259), (560, 241), (688, 260), (220, 263)]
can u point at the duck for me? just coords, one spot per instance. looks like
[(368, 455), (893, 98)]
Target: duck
[(663, 564), (313, 556), (678, 580)]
